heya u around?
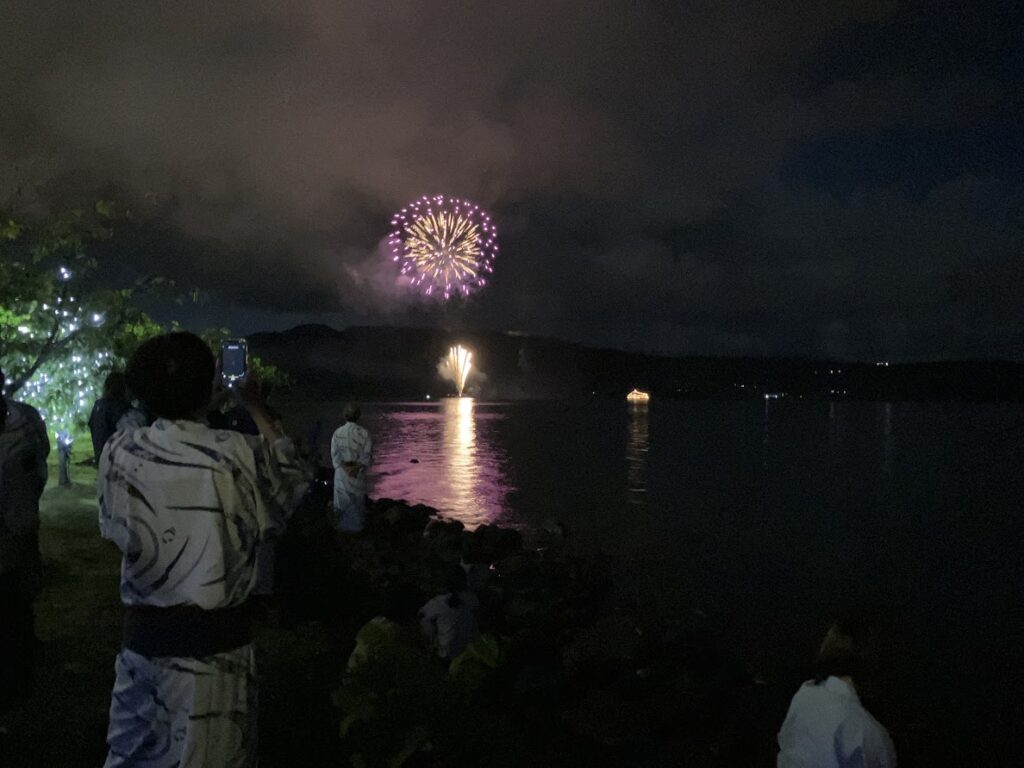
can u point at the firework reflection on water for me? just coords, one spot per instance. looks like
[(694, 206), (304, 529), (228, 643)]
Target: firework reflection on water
[(446, 454)]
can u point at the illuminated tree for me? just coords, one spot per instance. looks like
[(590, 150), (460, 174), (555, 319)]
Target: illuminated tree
[(60, 331), (59, 335)]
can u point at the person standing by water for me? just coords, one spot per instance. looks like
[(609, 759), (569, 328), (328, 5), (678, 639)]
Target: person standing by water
[(351, 454), (827, 726), (188, 506), (24, 446), (107, 412)]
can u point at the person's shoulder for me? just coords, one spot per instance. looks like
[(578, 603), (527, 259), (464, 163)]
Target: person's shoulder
[(229, 441), (26, 410), (117, 444), (225, 447), (808, 688), (221, 435), (810, 695), (29, 416), (196, 435), (434, 605)]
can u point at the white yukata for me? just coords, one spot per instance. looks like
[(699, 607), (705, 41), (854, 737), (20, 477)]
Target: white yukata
[(188, 505), (350, 443), (828, 727), (450, 629)]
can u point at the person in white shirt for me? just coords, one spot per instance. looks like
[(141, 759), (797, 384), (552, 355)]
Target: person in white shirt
[(449, 621), (188, 506), (351, 454), (827, 726)]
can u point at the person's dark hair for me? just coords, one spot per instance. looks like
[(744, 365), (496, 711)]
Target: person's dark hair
[(455, 584), (172, 374), (115, 386), (351, 412), (846, 651), (401, 601)]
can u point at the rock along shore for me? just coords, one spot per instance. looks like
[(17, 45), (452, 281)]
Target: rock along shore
[(563, 669)]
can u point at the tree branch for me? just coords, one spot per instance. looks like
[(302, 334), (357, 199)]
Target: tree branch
[(50, 346)]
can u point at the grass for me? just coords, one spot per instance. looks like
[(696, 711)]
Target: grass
[(78, 615), (78, 619)]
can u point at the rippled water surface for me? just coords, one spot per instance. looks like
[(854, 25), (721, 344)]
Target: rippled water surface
[(448, 454)]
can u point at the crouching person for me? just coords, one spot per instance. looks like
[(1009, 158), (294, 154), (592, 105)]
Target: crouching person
[(188, 506)]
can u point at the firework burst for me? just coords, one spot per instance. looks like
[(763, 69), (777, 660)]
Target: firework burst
[(443, 245)]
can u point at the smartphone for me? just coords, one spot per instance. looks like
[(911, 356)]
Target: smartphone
[(234, 355)]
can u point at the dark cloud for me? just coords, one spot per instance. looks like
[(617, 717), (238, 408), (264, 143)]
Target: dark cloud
[(841, 178)]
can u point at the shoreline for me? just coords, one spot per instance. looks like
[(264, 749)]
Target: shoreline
[(577, 671), (544, 611), (580, 672)]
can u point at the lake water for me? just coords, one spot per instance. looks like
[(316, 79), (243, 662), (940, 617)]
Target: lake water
[(766, 516)]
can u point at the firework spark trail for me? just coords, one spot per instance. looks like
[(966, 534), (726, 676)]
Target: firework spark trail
[(443, 245), (456, 239), (459, 363)]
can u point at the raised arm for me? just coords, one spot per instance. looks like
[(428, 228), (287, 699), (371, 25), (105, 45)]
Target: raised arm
[(282, 477), (248, 396)]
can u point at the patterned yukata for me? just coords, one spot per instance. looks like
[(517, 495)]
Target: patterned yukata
[(188, 505), (350, 444)]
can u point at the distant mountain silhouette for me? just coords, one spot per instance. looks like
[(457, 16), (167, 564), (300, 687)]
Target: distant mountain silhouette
[(389, 362)]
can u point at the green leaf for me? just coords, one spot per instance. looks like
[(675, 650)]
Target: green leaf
[(10, 229)]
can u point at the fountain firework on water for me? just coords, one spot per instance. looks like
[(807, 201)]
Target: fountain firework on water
[(458, 363)]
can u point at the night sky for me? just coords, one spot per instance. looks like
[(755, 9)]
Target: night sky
[(808, 178)]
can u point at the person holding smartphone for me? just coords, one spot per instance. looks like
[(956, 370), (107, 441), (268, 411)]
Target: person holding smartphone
[(189, 506)]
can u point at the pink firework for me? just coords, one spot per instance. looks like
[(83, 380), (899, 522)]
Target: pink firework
[(445, 246)]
